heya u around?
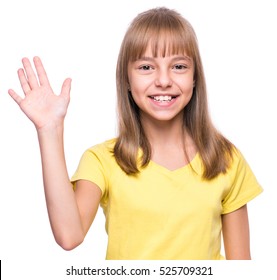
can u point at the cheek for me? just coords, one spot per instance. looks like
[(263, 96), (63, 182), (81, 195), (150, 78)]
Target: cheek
[(186, 85), (139, 85), (137, 93)]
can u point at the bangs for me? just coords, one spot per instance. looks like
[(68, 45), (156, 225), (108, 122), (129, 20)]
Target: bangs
[(164, 44), (167, 43), (165, 36)]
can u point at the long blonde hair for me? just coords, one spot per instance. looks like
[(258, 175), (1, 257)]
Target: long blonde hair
[(170, 33)]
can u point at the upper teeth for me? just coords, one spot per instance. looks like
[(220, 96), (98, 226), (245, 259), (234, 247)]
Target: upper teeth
[(162, 98)]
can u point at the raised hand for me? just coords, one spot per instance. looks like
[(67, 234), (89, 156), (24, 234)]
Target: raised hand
[(40, 104)]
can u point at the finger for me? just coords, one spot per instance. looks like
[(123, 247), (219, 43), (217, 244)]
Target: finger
[(42, 76), (23, 80), (30, 74), (15, 96), (66, 87)]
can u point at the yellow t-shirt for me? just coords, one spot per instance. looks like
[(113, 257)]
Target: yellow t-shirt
[(162, 214)]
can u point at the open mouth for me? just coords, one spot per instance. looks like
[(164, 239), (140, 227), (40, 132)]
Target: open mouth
[(163, 98)]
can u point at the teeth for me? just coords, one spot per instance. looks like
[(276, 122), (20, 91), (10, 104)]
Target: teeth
[(162, 98)]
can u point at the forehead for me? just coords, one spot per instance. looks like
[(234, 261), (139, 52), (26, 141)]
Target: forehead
[(159, 45), (163, 48)]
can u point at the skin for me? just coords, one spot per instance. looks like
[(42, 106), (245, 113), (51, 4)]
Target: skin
[(163, 121), (71, 213), (235, 229), (168, 75)]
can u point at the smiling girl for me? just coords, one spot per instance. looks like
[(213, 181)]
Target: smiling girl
[(169, 183)]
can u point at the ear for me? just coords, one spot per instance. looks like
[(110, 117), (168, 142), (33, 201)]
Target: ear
[(129, 88)]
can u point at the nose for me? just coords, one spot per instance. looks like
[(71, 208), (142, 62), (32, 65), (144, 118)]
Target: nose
[(163, 78)]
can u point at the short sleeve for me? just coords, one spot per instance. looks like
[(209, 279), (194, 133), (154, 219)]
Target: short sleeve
[(91, 168), (243, 185)]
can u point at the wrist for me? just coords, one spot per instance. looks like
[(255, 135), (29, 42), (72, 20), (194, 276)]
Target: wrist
[(51, 128)]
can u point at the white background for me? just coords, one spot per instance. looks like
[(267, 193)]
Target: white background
[(80, 39)]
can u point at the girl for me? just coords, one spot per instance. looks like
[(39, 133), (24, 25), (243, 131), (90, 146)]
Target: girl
[(170, 182)]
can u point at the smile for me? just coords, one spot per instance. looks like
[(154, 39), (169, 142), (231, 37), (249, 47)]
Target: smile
[(163, 98)]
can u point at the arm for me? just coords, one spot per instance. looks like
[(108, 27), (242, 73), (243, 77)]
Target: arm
[(47, 111), (235, 229), (70, 213)]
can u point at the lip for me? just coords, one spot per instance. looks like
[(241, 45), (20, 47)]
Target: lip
[(164, 94), (163, 104)]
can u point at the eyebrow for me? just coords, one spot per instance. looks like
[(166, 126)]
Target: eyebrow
[(148, 58)]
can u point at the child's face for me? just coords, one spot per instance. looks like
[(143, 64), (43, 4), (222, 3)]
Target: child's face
[(161, 86)]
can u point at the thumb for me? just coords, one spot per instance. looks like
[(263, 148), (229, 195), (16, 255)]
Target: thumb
[(66, 87)]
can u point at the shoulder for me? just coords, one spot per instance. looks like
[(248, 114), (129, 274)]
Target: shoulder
[(242, 186), (237, 162), (98, 159), (100, 154), (240, 172), (105, 148)]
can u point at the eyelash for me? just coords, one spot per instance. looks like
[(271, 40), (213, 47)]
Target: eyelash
[(176, 66), (142, 67), (180, 66)]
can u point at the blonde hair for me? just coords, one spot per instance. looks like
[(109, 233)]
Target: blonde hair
[(168, 33)]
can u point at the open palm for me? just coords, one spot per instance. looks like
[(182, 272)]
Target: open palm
[(40, 104)]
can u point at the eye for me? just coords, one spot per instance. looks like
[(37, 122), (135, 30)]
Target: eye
[(180, 67), (145, 67)]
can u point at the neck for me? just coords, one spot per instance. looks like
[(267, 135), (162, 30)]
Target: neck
[(171, 146), (166, 133)]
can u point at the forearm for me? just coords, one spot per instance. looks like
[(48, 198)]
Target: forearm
[(47, 112), (60, 198)]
